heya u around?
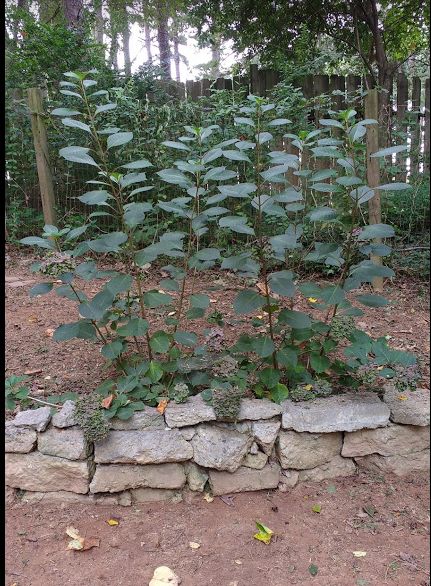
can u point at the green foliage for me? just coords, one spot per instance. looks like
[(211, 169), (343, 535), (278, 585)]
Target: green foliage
[(90, 417), (239, 185), (16, 391), (226, 402)]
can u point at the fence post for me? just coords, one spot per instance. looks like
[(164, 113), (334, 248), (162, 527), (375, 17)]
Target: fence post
[(42, 155), (402, 99), (427, 128), (373, 174), (417, 127)]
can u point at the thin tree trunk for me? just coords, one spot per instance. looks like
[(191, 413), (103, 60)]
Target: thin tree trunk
[(176, 57), (99, 26), (113, 33), (147, 33), (163, 39), (126, 43), (215, 59), (73, 12)]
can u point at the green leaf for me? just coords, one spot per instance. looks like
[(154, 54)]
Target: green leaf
[(394, 187), (124, 413), (81, 329), (241, 120), (269, 377), (279, 122), (323, 213), (119, 284), (41, 289), (76, 124), (236, 224), (132, 178), (176, 145), (372, 300), (112, 350), (160, 342), (208, 254), (247, 301), (37, 241), (263, 346), (281, 282), (219, 174), (136, 326), (105, 108), (329, 122), (390, 151), (141, 164), (119, 139), (77, 155), (174, 176), (319, 363), (199, 301), (376, 231), (153, 299), (169, 284), (313, 569), (362, 194), (297, 320), (69, 93), (108, 243), (236, 156), (154, 372), (188, 339), (279, 393), (64, 112), (95, 197)]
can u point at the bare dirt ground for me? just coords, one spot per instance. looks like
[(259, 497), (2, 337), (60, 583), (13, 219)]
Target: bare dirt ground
[(386, 517), (394, 534)]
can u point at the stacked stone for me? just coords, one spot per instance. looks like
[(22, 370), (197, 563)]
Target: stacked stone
[(153, 457)]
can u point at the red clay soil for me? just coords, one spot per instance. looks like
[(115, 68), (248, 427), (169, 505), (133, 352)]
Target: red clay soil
[(394, 533)]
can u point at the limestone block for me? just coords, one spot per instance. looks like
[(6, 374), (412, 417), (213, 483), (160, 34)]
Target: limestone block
[(141, 420), (256, 461), (19, 439), (413, 408), (255, 409), (41, 473), (196, 477), (265, 434), (119, 477), (338, 466), (64, 443), (399, 465), (303, 451), (66, 416), (152, 495), (143, 447), (244, 479), (347, 412), (386, 441), (220, 448), (192, 412)]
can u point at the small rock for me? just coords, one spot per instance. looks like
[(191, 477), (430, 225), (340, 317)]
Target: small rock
[(196, 477), (19, 439), (399, 465), (150, 418), (66, 416), (116, 478), (37, 419), (153, 495), (256, 461), (289, 478), (256, 409), (412, 409), (64, 443), (164, 575), (244, 479), (254, 448), (265, 433), (387, 441), (188, 432)]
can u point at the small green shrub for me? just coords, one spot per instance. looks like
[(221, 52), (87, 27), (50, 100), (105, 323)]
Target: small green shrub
[(226, 401), (89, 415)]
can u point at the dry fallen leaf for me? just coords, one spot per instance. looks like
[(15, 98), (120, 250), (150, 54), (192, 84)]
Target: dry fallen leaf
[(239, 562), (33, 319), (402, 398), (113, 522), (32, 372), (107, 401), (79, 543), (208, 498), (161, 407), (194, 545), (264, 534), (359, 554)]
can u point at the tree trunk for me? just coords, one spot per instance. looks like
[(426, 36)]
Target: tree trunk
[(113, 33), (176, 57), (163, 39), (99, 25), (147, 33), (22, 5), (126, 43), (73, 13), (215, 59)]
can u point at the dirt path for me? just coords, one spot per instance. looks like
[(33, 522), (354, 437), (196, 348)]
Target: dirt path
[(394, 534)]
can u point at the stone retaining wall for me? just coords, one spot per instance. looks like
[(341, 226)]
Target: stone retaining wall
[(153, 457)]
